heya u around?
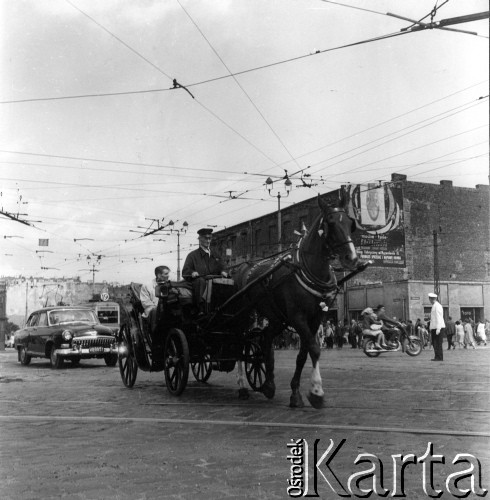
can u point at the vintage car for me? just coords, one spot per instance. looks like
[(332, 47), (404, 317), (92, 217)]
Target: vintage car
[(65, 333)]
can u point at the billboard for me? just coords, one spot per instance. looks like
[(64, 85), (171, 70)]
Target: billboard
[(378, 212)]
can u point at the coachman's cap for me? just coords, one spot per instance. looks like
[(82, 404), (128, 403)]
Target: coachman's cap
[(433, 295), (204, 231)]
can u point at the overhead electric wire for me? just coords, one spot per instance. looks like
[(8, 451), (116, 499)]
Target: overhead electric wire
[(276, 135), (119, 39), (210, 80), (354, 7), (390, 140)]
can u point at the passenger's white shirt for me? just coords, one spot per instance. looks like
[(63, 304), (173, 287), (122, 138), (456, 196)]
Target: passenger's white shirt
[(437, 317), (147, 297)]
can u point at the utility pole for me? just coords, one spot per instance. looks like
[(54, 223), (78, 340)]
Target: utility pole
[(178, 232), (436, 265)]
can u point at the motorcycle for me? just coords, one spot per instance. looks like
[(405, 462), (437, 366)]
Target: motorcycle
[(396, 339)]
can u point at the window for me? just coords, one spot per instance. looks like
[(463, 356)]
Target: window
[(272, 235), (257, 241), (287, 234), (43, 319), (244, 243), (108, 316), (474, 313), (33, 320)]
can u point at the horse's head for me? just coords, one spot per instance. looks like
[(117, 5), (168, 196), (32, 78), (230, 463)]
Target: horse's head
[(337, 228)]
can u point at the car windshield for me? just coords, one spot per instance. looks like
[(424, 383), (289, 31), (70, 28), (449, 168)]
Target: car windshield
[(72, 316)]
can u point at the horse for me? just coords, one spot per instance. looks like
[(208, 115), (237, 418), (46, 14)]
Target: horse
[(300, 287)]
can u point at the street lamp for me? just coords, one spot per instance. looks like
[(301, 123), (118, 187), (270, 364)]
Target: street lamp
[(183, 229), (288, 185)]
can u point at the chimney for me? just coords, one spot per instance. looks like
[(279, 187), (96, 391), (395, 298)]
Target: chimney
[(482, 187), (446, 183)]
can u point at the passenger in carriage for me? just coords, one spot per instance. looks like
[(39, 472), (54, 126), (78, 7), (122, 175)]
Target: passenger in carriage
[(200, 263), (147, 295)]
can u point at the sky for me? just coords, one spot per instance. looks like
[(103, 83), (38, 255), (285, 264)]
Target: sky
[(99, 146)]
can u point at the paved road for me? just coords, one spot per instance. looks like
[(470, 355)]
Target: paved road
[(78, 433)]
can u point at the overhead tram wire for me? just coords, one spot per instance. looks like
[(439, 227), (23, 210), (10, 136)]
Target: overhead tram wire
[(176, 85), (239, 85), (390, 120), (390, 140), (357, 169), (119, 40), (210, 80)]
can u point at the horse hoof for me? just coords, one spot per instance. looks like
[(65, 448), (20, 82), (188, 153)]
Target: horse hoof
[(296, 401), (315, 401), (268, 390), (243, 393)]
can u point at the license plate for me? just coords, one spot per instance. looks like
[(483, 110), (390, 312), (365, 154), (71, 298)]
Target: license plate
[(95, 350)]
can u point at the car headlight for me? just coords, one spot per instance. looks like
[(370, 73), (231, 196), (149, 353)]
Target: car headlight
[(67, 335)]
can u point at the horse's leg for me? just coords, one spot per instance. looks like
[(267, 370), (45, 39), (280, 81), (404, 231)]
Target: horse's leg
[(242, 390), (309, 344), (269, 387), (315, 395), (296, 401)]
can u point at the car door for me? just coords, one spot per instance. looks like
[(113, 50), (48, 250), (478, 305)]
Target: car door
[(41, 333), (29, 337)]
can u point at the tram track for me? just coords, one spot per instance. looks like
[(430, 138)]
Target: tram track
[(241, 423), (247, 405)]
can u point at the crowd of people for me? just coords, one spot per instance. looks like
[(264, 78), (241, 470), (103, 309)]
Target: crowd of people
[(462, 334)]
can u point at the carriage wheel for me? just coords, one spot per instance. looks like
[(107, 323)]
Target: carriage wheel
[(176, 361), (202, 368), (254, 366), (125, 358)]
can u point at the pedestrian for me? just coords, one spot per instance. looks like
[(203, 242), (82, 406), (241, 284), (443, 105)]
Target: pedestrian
[(320, 335), (339, 334), (410, 328), (468, 334), (329, 335), (359, 334), (459, 334), (353, 334), (480, 333), (437, 327), (450, 332)]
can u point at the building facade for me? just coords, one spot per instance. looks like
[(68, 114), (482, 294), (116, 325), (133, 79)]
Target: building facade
[(421, 237)]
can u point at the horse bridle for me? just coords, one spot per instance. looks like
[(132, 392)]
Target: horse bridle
[(324, 228)]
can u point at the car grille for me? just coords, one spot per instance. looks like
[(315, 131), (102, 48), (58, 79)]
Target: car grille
[(93, 341)]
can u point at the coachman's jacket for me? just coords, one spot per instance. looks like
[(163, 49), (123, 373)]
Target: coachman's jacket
[(200, 261)]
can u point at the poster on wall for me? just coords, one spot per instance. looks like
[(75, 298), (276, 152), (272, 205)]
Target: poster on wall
[(380, 233)]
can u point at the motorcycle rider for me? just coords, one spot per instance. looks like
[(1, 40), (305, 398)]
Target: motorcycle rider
[(371, 326), (381, 315)]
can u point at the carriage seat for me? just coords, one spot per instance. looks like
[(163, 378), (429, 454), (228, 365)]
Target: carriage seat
[(135, 297), (175, 291)]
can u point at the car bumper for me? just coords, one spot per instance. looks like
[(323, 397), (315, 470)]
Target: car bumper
[(87, 351)]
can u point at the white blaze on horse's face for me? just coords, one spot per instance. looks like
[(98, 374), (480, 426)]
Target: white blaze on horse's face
[(341, 227)]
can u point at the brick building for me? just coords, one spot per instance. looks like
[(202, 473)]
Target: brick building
[(417, 234)]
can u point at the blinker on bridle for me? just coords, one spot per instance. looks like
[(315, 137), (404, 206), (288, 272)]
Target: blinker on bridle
[(321, 232)]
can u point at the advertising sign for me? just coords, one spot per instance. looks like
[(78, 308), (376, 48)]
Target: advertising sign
[(380, 233)]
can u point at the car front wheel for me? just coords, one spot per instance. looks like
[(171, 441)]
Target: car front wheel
[(55, 359), (24, 358)]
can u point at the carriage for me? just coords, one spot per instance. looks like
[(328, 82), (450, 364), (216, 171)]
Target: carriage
[(291, 289), (183, 341)]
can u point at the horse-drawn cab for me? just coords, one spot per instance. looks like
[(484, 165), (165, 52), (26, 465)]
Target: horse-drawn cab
[(182, 338)]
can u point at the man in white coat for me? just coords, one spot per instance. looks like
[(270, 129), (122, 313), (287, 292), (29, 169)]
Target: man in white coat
[(437, 327)]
